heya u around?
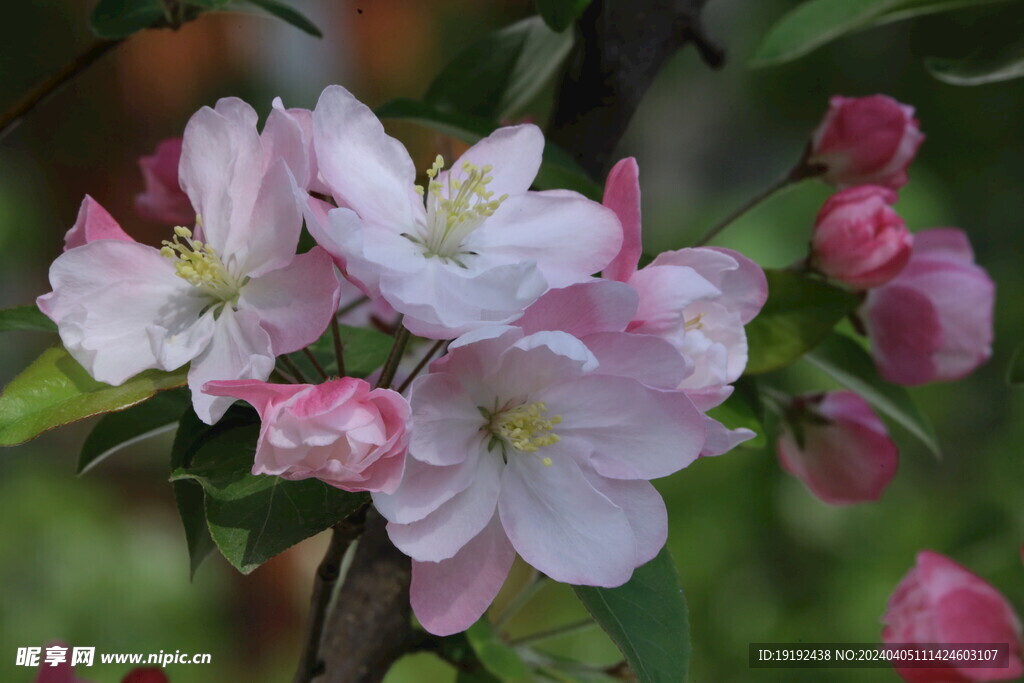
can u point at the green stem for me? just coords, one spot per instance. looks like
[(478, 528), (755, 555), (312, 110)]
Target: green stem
[(293, 369), (316, 364), (798, 173), (422, 364), (339, 350), (387, 373), (41, 91), (558, 632)]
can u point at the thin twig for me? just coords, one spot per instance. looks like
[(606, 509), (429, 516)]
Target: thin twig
[(316, 364), (284, 376), (47, 87), (556, 632), (387, 373), (348, 308), (754, 201), (339, 349), (422, 364), (342, 535), (294, 369)]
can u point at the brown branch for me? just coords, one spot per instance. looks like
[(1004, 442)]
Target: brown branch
[(40, 92), (370, 626), (621, 48)]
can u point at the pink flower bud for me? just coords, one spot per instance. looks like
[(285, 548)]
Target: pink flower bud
[(938, 601), (164, 201), (933, 322), (866, 140), (341, 432), (858, 238), (843, 453)]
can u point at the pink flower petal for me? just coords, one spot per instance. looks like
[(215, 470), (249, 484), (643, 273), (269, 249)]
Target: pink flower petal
[(514, 152), (622, 195), (93, 223), (582, 309)]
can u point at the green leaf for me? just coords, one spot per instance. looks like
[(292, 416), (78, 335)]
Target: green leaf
[(113, 19), (817, 22), (55, 390), (646, 618), (743, 410), (850, 365), (558, 170), (25, 318), (1015, 373), (799, 314), (365, 351), (289, 15), (497, 656), (559, 14), (251, 517), (993, 62), (496, 77), (115, 431)]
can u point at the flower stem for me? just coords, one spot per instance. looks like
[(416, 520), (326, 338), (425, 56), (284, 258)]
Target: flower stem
[(387, 373), (557, 632), (798, 173), (293, 369), (41, 91), (327, 574), (339, 349), (422, 364), (315, 362)]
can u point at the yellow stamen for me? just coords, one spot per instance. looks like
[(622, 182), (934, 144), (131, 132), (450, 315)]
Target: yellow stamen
[(200, 265), (525, 429), (694, 323)]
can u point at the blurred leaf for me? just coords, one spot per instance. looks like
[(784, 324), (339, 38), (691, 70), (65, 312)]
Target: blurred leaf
[(993, 62), (251, 517), (742, 410), (647, 620), (850, 365), (55, 390), (817, 22), (288, 14), (365, 351), (113, 19), (25, 318), (799, 314), (559, 14), (558, 171), (496, 77), (209, 4), (497, 656), (1015, 373), (117, 430)]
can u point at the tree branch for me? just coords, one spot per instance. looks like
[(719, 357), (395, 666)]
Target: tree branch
[(371, 625), (621, 48)]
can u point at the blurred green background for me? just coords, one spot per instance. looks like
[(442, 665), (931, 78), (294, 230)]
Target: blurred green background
[(100, 560)]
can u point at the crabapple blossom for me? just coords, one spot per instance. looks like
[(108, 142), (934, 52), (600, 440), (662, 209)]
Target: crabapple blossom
[(342, 432), (228, 296), (521, 444), (933, 321), (473, 247), (163, 200), (859, 239), (696, 299), (938, 601), (866, 140), (840, 449)]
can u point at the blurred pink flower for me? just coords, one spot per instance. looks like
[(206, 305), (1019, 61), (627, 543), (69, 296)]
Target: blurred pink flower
[(522, 444), (858, 239), (866, 140), (228, 298), (933, 322), (842, 451), (341, 432), (481, 250), (163, 200), (938, 601)]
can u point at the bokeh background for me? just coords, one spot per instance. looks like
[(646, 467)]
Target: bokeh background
[(100, 560)]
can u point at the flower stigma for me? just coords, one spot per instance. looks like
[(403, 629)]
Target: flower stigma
[(199, 264), (524, 428), (455, 208)]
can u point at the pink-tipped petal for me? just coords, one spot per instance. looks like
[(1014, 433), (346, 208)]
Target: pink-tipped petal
[(93, 223), (260, 395), (622, 195)]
